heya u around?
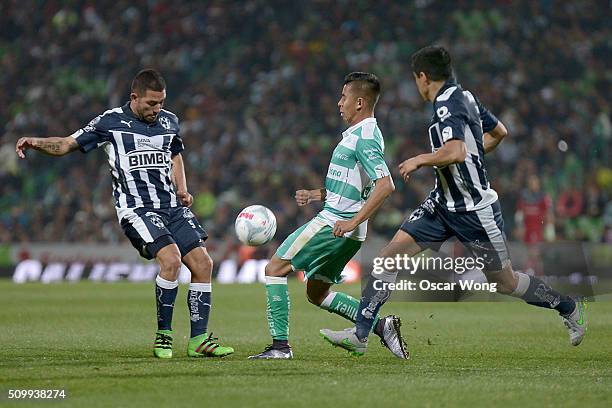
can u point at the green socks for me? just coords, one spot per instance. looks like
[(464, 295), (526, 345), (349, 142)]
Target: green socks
[(278, 307), (343, 305)]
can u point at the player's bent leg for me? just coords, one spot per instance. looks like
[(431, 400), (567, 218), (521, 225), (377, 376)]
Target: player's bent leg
[(342, 304), (199, 302), (278, 305), (317, 291), (537, 293), (166, 288)]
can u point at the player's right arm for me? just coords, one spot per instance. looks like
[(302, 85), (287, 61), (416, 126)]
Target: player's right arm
[(54, 146), (92, 136), (304, 197)]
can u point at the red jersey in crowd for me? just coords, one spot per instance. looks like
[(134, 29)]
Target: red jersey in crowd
[(535, 207)]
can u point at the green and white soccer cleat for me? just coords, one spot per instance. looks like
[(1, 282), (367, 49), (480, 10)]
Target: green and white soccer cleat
[(347, 339), (162, 348), (576, 322), (206, 345)]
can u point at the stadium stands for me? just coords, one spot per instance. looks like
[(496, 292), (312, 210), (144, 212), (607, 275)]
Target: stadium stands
[(256, 84)]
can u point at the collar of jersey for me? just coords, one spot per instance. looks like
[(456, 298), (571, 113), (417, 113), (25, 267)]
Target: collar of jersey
[(450, 82), (350, 130), (128, 111)]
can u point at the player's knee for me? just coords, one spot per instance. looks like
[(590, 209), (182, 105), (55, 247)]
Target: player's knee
[(205, 263), (276, 268), (201, 267), (315, 298), (271, 269), (169, 265)]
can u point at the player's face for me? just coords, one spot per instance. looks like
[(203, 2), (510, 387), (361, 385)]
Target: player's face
[(349, 104), (148, 106), (421, 83)]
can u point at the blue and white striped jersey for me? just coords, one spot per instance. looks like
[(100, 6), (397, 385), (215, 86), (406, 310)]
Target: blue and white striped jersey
[(459, 115), (139, 155)]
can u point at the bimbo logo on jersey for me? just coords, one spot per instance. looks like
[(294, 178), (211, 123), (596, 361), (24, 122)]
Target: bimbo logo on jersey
[(147, 158)]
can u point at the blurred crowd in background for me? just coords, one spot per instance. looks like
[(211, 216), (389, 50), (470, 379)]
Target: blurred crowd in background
[(256, 83)]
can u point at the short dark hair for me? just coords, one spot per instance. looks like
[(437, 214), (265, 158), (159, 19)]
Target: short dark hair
[(434, 61), (368, 84), (148, 79)]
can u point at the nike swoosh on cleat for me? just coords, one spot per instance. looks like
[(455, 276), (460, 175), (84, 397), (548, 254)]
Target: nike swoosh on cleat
[(581, 320), (349, 346)]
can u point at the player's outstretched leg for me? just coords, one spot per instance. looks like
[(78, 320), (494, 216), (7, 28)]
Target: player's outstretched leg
[(536, 292), (342, 304), (576, 322), (199, 302), (278, 306)]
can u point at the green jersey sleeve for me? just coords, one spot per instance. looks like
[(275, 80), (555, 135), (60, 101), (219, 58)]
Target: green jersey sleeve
[(370, 154)]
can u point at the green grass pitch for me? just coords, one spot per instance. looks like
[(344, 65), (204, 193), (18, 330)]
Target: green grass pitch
[(94, 340)]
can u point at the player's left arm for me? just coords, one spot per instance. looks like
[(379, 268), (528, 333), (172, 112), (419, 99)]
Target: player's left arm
[(180, 180), (370, 154), (493, 129), (178, 167), (494, 137)]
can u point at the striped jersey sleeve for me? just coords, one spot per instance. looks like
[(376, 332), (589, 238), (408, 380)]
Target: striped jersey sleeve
[(370, 154), (95, 134)]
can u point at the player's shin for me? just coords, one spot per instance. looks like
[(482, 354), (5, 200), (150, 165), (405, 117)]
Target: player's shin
[(165, 295), (343, 305), (374, 295), (199, 301), (278, 306), (536, 292)]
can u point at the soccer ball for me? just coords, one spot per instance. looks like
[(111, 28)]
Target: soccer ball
[(255, 225)]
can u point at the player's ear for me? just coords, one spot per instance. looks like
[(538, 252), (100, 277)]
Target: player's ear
[(133, 96), (360, 103), (421, 76)]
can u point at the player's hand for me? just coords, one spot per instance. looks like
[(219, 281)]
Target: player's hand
[(22, 145), (407, 167), (302, 197), (185, 198), (342, 227)]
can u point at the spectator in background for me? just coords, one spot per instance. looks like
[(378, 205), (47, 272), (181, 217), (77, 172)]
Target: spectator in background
[(535, 219), (534, 212)]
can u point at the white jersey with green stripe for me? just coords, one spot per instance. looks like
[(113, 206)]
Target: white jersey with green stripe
[(357, 162)]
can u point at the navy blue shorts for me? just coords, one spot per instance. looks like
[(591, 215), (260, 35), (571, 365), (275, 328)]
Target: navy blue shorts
[(149, 230), (481, 231)]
